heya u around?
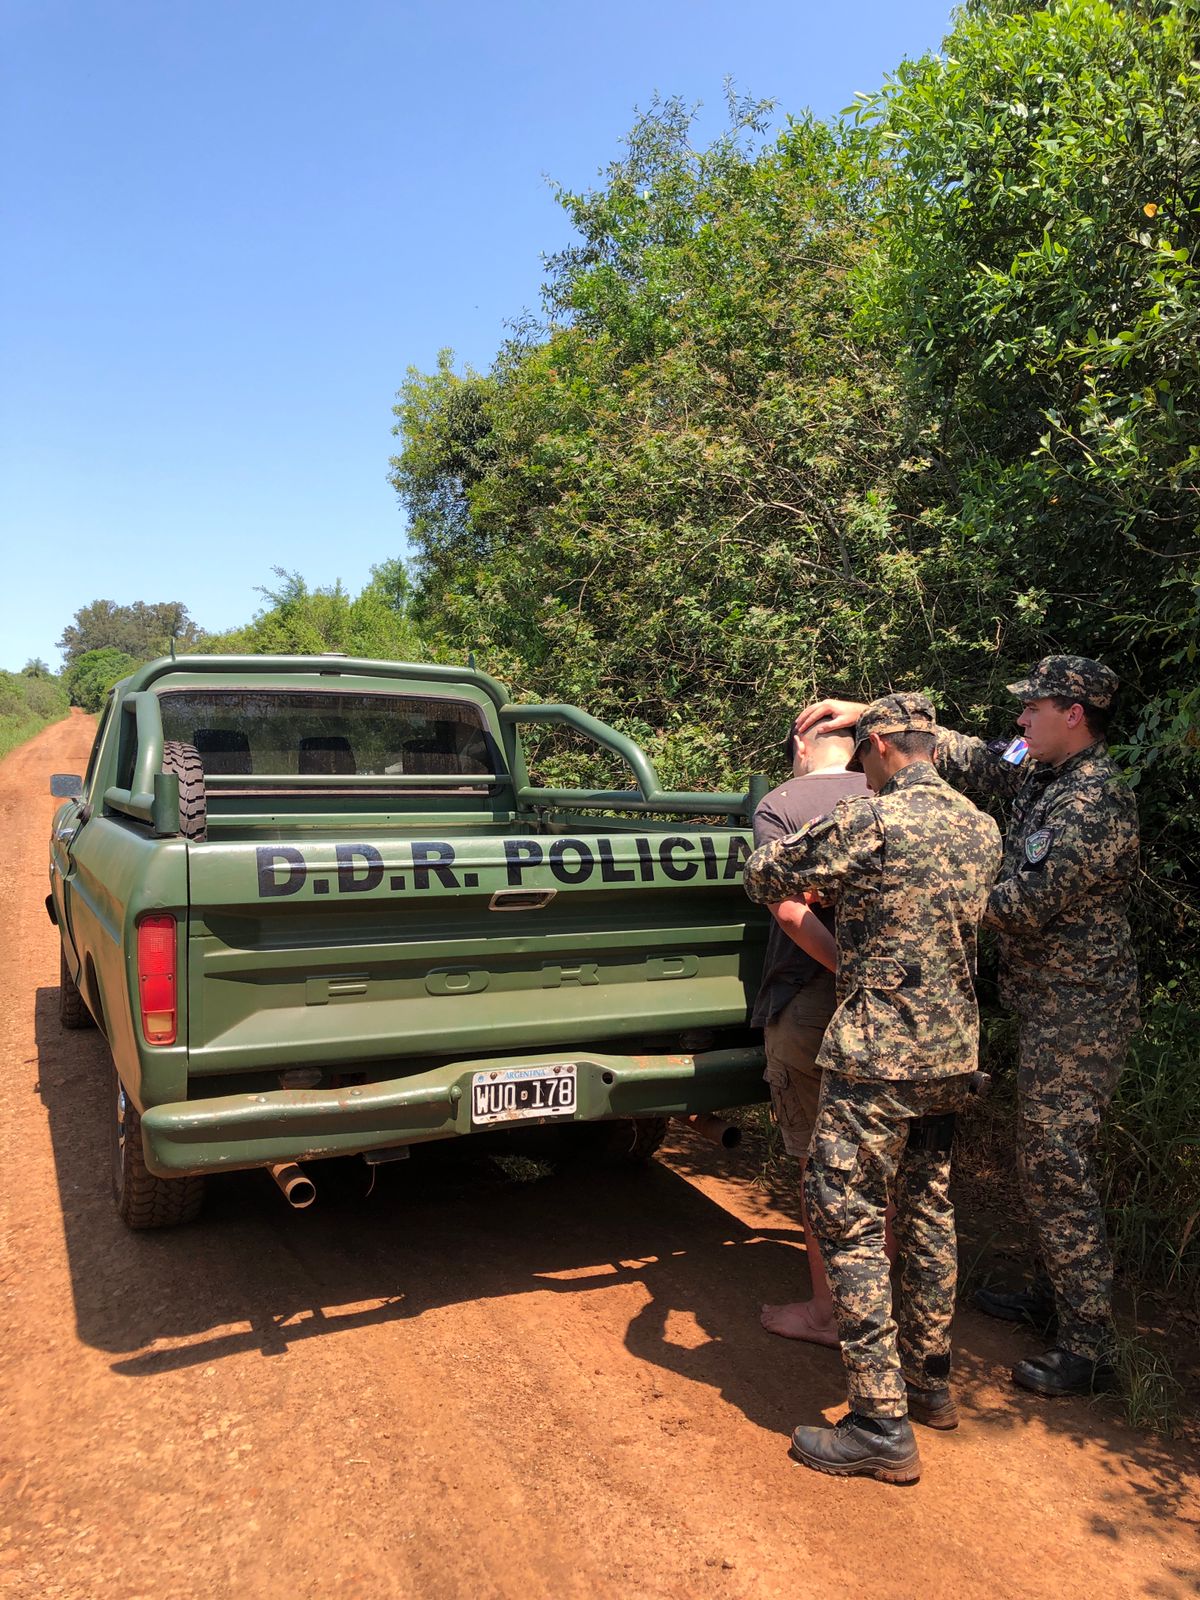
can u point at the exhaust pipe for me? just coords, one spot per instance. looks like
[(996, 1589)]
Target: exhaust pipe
[(714, 1129), (297, 1187)]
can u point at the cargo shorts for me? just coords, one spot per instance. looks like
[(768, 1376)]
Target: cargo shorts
[(792, 1038)]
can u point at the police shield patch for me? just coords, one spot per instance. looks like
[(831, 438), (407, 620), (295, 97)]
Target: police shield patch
[(1037, 846), (810, 830)]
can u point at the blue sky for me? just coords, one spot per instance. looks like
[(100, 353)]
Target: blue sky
[(231, 226)]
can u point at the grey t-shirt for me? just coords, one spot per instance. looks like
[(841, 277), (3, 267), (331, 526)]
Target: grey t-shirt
[(785, 810)]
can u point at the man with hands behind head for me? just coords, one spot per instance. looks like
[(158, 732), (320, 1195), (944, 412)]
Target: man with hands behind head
[(1067, 969), (908, 872), (796, 996)]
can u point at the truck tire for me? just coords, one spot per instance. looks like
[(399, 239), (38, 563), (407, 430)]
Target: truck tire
[(72, 1007), (627, 1143), (144, 1200), (184, 761), (632, 1143)]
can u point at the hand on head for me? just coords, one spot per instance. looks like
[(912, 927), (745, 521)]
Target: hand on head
[(832, 713)]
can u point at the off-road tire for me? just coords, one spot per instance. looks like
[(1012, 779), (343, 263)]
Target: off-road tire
[(184, 761), (629, 1142), (144, 1200), (72, 1007)]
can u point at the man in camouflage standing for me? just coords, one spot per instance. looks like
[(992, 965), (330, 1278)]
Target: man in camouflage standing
[(1067, 969), (908, 872)]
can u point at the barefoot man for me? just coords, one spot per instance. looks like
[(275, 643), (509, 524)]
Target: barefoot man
[(796, 998)]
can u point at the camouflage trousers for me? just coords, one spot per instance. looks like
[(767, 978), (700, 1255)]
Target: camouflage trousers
[(860, 1157), (1072, 1048)]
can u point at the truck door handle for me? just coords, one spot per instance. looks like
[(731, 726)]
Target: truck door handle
[(521, 899), (320, 991)]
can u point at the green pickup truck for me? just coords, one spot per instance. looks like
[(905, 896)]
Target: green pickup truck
[(318, 909)]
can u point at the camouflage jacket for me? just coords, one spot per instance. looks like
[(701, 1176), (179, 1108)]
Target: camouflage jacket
[(909, 872), (1070, 857)]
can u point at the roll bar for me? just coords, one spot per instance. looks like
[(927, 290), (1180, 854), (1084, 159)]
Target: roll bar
[(651, 794), (153, 796)]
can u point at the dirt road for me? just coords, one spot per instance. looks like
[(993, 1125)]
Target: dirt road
[(468, 1385)]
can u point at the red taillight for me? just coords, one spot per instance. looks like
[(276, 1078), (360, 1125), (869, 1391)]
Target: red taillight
[(156, 977)]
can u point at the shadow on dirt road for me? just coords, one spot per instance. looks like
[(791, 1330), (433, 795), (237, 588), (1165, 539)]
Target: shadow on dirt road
[(439, 1229), (442, 1229)]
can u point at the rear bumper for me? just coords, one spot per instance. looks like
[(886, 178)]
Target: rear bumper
[(255, 1130)]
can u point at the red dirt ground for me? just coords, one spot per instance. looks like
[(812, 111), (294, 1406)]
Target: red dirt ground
[(468, 1385)]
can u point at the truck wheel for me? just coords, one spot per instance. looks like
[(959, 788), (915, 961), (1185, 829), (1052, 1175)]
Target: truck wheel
[(628, 1143), (72, 1007), (631, 1144), (144, 1200), (184, 761)]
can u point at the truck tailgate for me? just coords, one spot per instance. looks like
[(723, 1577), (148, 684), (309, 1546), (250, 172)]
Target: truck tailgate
[(329, 952)]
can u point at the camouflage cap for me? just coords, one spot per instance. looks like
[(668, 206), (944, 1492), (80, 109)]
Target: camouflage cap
[(894, 713), (1078, 678)]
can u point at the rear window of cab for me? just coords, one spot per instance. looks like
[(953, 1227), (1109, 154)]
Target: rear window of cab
[(279, 733)]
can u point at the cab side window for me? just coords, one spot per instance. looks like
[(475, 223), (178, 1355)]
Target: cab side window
[(127, 748), (105, 719)]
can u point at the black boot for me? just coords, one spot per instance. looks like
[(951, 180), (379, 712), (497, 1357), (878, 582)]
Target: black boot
[(858, 1446), (1060, 1372), (934, 1408), (1032, 1306)]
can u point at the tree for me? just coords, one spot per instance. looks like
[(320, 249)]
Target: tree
[(298, 620), (1038, 266), (140, 630), (679, 500), (91, 675), (35, 667)]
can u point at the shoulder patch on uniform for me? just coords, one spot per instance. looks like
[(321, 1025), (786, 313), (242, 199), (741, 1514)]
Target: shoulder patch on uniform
[(810, 830), (1037, 846), (1015, 752)]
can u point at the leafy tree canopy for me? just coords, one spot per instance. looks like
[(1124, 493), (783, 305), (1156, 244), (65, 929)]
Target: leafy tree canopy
[(140, 630), (91, 675), (298, 620), (906, 400), (675, 500)]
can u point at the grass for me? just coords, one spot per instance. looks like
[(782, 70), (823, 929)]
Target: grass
[(1151, 1393), (1152, 1156), (974, 1271), (15, 731), (27, 704)]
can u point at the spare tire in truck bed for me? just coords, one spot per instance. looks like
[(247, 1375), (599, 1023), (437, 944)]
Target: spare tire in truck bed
[(183, 760)]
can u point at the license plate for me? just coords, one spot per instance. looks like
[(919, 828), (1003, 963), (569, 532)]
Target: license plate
[(520, 1092)]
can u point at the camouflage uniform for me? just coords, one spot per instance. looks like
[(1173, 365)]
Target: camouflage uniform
[(1067, 969), (909, 872)]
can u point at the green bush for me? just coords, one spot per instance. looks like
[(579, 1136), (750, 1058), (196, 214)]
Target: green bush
[(91, 675), (1152, 1153), (301, 621), (28, 702)]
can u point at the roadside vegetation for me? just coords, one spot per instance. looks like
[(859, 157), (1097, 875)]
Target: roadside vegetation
[(29, 699), (297, 620)]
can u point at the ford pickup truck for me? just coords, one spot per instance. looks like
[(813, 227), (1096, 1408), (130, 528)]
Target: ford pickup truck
[(317, 908)]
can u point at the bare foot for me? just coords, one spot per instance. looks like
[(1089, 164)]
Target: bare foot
[(797, 1321)]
